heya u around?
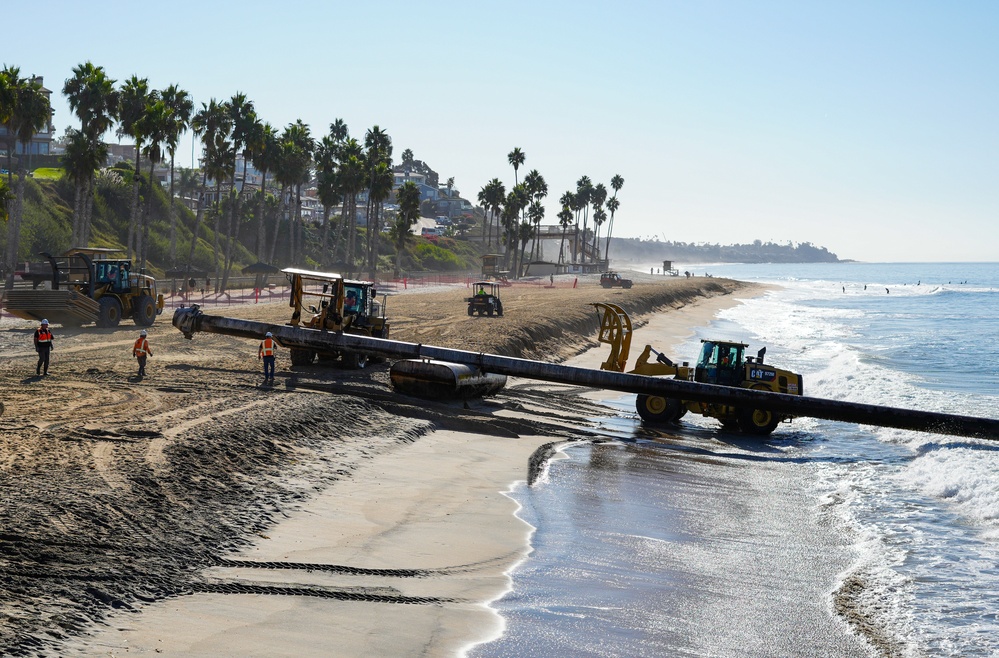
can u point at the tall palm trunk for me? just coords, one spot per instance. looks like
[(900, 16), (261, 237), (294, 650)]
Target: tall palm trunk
[(173, 219), (198, 216), (610, 227), (326, 236), (277, 228), (133, 217), (144, 240), (261, 228), (88, 212), (561, 245), (215, 244), (232, 227)]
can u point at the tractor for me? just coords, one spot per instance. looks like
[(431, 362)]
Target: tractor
[(722, 363), (329, 302), (86, 285), (486, 300)]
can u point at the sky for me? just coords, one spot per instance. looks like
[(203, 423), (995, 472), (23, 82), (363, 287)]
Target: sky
[(870, 128)]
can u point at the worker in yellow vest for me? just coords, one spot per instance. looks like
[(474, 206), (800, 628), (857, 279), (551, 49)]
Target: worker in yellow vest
[(267, 353), (140, 351)]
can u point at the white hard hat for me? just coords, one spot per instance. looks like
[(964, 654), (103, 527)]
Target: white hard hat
[(142, 333), (268, 335), (45, 321)]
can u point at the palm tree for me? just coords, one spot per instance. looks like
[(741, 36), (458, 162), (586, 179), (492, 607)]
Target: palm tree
[(264, 153), (516, 157), (378, 151), (10, 77), (133, 98), (515, 202), (537, 188), (565, 221), (25, 110), (181, 106), (156, 126), (408, 197), (584, 189), (352, 181), (299, 146), (496, 195), (244, 121), (82, 157), (212, 125), (612, 205), (94, 99), (327, 187), (597, 196), (381, 189), (536, 213)]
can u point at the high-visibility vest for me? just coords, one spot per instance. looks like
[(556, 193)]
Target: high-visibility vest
[(44, 336), (267, 347), (141, 347)]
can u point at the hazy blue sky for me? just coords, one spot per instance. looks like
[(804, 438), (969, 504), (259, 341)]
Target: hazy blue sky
[(870, 128)]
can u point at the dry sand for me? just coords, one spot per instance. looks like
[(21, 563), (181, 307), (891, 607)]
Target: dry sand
[(195, 513)]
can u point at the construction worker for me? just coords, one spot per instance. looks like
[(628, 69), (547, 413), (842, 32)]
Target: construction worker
[(140, 351), (43, 345), (267, 353)]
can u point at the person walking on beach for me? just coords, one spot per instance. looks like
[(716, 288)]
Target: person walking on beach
[(266, 352), (140, 351), (43, 345)]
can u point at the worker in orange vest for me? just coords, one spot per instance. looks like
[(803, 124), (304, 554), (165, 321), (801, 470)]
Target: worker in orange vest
[(267, 353), (140, 351), (43, 345)]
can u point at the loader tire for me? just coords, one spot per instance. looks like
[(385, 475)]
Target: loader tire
[(109, 314), (145, 311), (759, 422), (300, 357), (355, 360), (471, 311), (659, 410)]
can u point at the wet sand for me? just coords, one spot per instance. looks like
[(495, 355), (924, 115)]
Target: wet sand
[(197, 514)]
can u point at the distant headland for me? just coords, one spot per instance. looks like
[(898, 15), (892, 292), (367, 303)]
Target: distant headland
[(651, 251)]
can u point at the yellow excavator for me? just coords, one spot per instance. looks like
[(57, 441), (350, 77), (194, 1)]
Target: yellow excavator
[(723, 363)]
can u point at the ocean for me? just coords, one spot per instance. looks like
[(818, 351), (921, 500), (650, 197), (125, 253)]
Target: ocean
[(825, 539)]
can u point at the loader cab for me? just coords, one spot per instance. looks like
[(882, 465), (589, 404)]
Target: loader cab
[(720, 363), (113, 272)]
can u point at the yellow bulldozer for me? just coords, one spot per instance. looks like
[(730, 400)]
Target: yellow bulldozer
[(723, 363), (327, 301), (85, 285)]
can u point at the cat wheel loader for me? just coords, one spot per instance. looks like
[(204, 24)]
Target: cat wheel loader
[(722, 363), (85, 285), (329, 302)]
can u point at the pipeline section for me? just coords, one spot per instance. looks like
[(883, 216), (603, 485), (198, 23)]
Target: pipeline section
[(192, 320)]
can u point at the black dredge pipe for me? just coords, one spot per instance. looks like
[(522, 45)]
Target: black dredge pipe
[(192, 320)]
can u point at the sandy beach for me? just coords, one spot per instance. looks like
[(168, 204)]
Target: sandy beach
[(195, 513)]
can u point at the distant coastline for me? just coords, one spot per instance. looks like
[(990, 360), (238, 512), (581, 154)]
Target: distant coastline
[(654, 250)]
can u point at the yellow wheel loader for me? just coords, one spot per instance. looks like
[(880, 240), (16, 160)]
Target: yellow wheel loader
[(722, 363), (86, 285), (327, 301)]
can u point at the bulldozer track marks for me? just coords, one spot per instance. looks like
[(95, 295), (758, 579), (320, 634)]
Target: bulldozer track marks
[(320, 592)]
